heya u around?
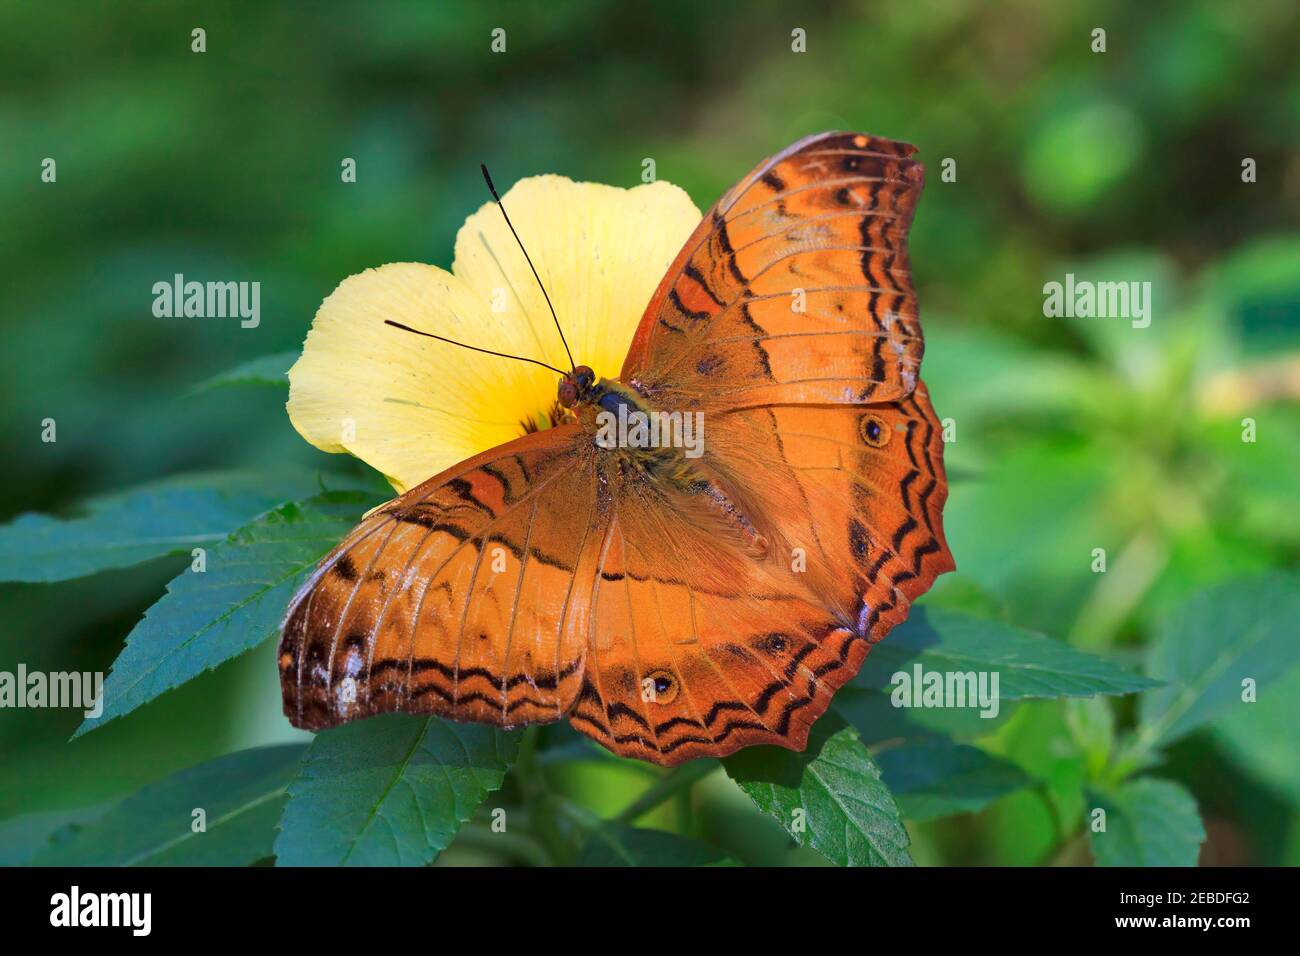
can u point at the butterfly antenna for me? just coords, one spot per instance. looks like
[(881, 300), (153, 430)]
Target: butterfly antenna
[(520, 358), (487, 178)]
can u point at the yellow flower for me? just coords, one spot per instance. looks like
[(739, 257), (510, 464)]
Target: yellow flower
[(412, 406)]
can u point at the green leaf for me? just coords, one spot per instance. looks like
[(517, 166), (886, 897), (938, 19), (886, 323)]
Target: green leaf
[(1092, 727), (876, 719), (1261, 738), (390, 790), (1208, 646), (241, 795), (829, 798), (1149, 822), (1026, 664), (21, 838), (617, 845), (270, 370), (237, 602), (938, 778), (141, 524)]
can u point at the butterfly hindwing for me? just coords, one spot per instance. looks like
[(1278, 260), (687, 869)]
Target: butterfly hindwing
[(857, 490), (698, 649), (703, 642)]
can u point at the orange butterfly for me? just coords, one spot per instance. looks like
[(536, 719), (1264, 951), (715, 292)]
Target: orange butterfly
[(673, 605)]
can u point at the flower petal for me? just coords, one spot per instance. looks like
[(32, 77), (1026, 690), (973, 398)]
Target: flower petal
[(410, 406), (600, 251)]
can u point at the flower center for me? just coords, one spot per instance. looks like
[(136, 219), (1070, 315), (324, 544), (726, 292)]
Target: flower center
[(549, 418)]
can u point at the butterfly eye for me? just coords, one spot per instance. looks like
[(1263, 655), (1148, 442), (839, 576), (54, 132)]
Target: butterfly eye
[(874, 431), (568, 394), (663, 685)]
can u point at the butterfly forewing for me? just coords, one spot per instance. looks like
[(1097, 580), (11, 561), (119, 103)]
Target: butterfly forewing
[(795, 288), (465, 597)]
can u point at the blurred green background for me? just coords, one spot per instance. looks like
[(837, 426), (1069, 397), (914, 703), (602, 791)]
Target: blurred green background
[(1071, 434)]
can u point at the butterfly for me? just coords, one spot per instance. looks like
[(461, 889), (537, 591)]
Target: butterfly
[(673, 605)]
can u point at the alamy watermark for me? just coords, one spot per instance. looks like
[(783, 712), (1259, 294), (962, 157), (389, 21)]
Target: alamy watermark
[(133, 911), (1085, 299), (82, 690), (208, 300), (637, 429), (940, 689)]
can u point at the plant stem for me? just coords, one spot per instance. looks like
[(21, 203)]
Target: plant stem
[(1058, 825), (519, 846), (537, 796), (1116, 594), (1073, 852), (677, 779)]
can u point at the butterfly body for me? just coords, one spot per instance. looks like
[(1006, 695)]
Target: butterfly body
[(673, 598), (652, 456), (605, 408)]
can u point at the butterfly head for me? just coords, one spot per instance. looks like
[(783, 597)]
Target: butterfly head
[(577, 387)]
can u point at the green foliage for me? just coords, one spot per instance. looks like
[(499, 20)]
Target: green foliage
[(234, 604), (1261, 737), (1241, 631), (390, 791), (1091, 723), (269, 370), (1149, 822), (617, 845), (873, 714), (23, 837), (1028, 665), (938, 778), (126, 528), (829, 798), (241, 796)]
